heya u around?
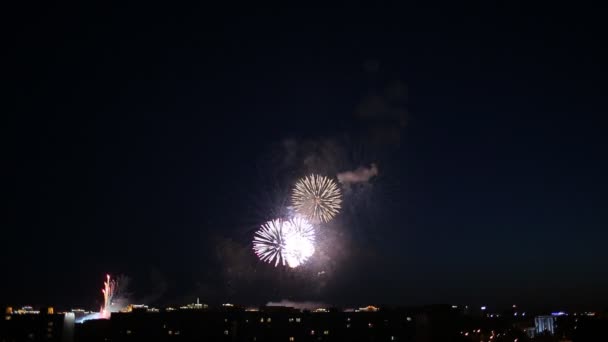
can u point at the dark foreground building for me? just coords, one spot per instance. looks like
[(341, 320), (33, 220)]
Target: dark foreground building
[(250, 326), (42, 326), (430, 324)]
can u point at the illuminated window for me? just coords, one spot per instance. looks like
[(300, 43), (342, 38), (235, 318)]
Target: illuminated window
[(409, 319), (290, 320), (312, 332), (8, 318), (348, 325), (225, 332), (49, 329), (268, 320), (170, 332), (370, 325), (326, 332), (392, 338), (261, 320), (50, 324), (177, 332), (298, 319), (291, 339), (128, 332)]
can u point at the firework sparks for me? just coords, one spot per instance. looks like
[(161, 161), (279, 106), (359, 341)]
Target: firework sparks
[(317, 197), (109, 287), (114, 298), (285, 242)]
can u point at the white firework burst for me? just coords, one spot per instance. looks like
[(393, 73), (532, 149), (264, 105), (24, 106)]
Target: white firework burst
[(268, 242), (285, 242)]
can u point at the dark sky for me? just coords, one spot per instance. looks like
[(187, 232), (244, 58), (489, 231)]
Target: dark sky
[(151, 141)]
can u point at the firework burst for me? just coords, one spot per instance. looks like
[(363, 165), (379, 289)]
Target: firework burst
[(285, 242), (317, 198)]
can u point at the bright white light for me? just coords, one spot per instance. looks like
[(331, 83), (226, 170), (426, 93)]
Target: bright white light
[(287, 242), (299, 241)]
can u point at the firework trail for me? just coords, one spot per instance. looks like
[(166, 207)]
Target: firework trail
[(285, 242), (109, 287), (114, 298), (317, 198)]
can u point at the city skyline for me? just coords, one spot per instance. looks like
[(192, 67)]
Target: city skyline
[(197, 321)]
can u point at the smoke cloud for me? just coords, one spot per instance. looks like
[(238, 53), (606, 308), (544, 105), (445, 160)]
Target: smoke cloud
[(384, 114), (298, 305), (160, 287), (360, 175)]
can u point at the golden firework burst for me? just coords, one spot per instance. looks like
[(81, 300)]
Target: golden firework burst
[(316, 197)]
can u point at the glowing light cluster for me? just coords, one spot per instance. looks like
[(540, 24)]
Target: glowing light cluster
[(299, 241), (289, 242), (317, 198)]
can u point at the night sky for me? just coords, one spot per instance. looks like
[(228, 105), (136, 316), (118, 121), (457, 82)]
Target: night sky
[(152, 141)]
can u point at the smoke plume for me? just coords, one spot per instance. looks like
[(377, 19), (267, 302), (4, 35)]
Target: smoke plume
[(360, 175), (298, 305)]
